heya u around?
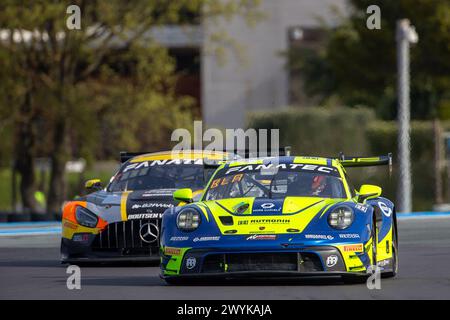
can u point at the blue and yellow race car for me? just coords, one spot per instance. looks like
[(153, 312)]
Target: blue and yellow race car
[(278, 217)]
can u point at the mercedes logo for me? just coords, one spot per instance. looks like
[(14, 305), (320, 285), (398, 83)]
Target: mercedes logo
[(149, 232)]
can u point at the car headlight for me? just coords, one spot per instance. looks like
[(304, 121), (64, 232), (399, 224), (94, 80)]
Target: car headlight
[(85, 217), (341, 217), (188, 219)]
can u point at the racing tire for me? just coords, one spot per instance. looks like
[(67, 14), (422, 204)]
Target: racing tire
[(393, 272), (63, 253), (374, 242)]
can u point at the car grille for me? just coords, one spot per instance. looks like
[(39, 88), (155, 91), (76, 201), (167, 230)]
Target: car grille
[(124, 237), (239, 262)]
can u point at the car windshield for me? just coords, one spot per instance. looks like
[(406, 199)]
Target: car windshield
[(296, 181), (149, 177)]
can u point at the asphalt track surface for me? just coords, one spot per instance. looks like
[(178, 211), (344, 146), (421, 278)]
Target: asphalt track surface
[(30, 269)]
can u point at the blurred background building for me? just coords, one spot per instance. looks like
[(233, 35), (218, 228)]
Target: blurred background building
[(260, 80), (255, 75)]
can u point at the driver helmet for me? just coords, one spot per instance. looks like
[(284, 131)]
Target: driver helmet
[(318, 185)]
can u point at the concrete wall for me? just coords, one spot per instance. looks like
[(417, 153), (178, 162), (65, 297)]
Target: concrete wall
[(229, 91)]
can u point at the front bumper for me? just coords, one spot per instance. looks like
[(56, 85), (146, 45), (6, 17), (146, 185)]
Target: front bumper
[(272, 275), (73, 252), (119, 241), (284, 262)]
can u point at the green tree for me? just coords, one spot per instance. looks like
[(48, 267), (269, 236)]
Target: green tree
[(53, 73), (358, 65)]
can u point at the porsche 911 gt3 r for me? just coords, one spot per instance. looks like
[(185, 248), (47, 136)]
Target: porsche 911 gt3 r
[(122, 221), (296, 216)]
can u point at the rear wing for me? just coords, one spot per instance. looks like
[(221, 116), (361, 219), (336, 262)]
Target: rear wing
[(347, 161), (246, 154), (125, 156)]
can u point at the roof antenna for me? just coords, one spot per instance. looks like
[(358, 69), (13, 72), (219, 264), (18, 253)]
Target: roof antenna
[(287, 151)]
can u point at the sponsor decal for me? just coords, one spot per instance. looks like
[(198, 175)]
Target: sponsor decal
[(262, 237), (354, 248), (191, 262), (146, 164), (261, 230), (384, 263), (179, 238), (199, 239), (225, 180), (385, 209), (319, 236), (332, 260), (172, 251), (267, 205), (145, 216), (138, 207), (349, 236), (291, 166), (361, 207), (270, 221), (157, 193), (151, 205), (81, 237)]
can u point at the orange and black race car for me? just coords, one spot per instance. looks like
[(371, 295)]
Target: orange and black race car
[(122, 221)]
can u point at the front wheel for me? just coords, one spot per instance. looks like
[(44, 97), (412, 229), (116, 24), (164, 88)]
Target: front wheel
[(374, 242), (393, 272)]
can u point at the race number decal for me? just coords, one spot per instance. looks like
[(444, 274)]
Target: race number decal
[(226, 180)]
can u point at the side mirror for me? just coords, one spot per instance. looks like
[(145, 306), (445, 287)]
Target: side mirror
[(184, 195), (197, 195), (368, 191), (93, 185)]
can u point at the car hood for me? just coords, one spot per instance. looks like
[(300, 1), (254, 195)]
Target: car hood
[(129, 205), (256, 215)]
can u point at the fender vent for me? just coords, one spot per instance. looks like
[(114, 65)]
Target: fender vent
[(226, 220), (267, 261)]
